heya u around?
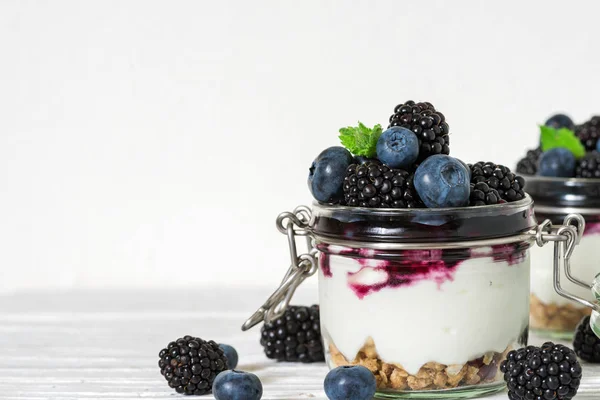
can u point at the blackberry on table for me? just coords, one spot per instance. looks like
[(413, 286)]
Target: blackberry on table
[(588, 166), (585, 343), (376, 185), (190, 364), (295, 336), (503, 185), (550, 372), (589, 133), (428, 124), (528, 164)]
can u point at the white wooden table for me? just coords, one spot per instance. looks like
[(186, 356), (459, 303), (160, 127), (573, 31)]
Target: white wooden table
[(104, 345)]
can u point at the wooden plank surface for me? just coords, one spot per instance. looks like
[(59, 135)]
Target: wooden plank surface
[(104, 345)]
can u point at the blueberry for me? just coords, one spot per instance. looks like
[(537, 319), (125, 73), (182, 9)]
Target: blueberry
[(557, 162), (231, 354), (350, 382), (598, 146), (327, 172), (237, 385), (442, 181), (558, 121), (398, 147)]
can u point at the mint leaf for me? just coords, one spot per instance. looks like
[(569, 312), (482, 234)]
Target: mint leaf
[(552, 138), (360, 140)]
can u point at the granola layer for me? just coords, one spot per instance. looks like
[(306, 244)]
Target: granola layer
[(431, 376), (555, 317)]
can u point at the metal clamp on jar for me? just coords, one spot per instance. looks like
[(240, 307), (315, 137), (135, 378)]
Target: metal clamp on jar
[(430, 300), (552, 313)]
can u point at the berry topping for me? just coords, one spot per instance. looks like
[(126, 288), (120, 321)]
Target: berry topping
[(191, 364), (231, 354), (237, 385), (295, 336), (428, 124), (557, 162), (589, 133), (350, 382), (481, 195), (398, 147), (585, 343), (558, 121), (442, 181), (326, 174), (588, 166), (508, 185), (376, 185), (528, 164), (551, 372)]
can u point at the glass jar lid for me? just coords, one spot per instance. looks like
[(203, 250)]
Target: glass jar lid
[(422, 224)]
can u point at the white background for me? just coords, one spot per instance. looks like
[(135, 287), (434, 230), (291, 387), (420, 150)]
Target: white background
[(153, 143)]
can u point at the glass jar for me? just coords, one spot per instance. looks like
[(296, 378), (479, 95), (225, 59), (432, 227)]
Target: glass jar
[(429, 300), (552, 314), (439, 316)]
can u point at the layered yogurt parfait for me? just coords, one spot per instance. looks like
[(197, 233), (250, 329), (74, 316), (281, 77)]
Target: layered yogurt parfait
[(563, 176), (424, 265)]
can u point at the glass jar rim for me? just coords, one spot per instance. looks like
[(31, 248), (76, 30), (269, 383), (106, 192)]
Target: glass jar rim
[(429, 225), (564, 195)]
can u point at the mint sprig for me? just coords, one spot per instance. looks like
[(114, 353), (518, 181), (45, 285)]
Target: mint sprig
[(360, 140), (552, 138)]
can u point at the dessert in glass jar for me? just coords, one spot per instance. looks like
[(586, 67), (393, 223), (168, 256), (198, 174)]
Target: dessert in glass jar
[(426, 299), (563, 177), (423, 260)]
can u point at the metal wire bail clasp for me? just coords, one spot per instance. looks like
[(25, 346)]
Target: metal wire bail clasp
[(292, 224), (565, 238)]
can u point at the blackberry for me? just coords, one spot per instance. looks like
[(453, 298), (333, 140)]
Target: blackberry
[(588, 166), (528, 164), (295, 336), (589, 133), (482, 194), (428, 124), (586, 344), (376, 185), (507, 186), (550, 372), (190, 364)]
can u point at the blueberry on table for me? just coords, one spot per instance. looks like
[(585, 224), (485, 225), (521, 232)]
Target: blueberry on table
[(557, 162), (231, 354), (350, 382), (558, 121), (327, 172), (442, 181), (398, 147), (237, 385)]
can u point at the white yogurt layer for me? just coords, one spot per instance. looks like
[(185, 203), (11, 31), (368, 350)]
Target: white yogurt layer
[(484, 308), (585, 265)]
